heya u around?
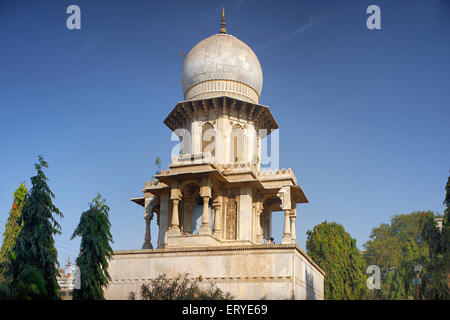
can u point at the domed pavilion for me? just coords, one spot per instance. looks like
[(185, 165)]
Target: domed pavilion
[(213, 206)]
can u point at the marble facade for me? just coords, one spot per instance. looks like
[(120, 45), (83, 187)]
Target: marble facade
[(214, 204)]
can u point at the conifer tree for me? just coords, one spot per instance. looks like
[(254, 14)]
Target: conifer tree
[(445, 238), (34, 269), (95, 251)]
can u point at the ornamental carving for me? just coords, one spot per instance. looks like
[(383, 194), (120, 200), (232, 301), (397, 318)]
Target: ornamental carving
[(231, 218)]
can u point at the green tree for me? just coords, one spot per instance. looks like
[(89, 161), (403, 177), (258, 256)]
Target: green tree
[(445, 233), (335, 251), (401, 278), (95, 252), (12, 227), (34, 269), (437, 266), (386, 241), (390, 246)]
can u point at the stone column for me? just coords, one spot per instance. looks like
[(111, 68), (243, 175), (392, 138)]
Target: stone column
[(205, 193), (175, 196), (148, 215), (174, 224), (287, 230), (217, 219), (175, 219), (148, 237), (293, 217), (205, 228), (259, 235)]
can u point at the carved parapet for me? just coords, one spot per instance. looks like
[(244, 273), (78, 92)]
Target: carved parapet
[(238, 168), (149, 184), (164, 172), (280, 174), (187, 158)]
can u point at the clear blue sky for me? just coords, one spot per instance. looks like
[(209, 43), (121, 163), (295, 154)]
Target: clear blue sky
[(363, 115)]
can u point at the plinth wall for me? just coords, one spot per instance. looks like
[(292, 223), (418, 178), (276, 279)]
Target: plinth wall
[(272, 271)]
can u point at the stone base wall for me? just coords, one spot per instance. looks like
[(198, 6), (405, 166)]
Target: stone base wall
[(274, 271)]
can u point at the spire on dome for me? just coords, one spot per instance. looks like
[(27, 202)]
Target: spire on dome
[(222, 29)]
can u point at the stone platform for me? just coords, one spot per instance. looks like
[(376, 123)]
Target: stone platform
[(269, 271)]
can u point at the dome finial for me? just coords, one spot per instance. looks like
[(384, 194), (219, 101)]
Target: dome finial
[(222, 29)]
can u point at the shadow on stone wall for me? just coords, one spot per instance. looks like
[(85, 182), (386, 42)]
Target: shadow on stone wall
[(310, 293)]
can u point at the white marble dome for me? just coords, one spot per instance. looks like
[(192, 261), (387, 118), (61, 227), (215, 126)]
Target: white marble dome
[(222, 65)]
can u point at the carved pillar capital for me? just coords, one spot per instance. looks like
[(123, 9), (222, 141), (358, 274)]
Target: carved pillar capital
[(284, 194), (175, 194), (294, 212), (205, 191)]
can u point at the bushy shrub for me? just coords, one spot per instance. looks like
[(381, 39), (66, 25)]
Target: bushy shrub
[(179, 288)]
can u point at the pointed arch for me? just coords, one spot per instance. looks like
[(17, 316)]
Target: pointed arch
[(208, 139), (237, 147)]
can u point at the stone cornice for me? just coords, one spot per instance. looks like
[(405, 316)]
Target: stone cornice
[(200, 250), (187, 111), (236, 174)]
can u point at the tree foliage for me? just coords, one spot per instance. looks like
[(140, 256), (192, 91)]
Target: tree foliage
[(396, 247), (445, 240), (95, 252), (12, 228), (437, 266), (158, 168), (385, 245), (409, 240), (400, 278), (335, 251), (34, 269), (179, 288)]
